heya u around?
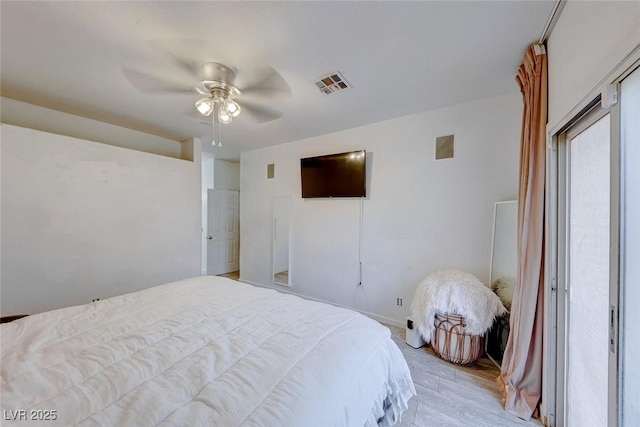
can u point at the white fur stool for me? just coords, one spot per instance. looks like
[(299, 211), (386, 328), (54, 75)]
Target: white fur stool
[(452, 343), (453, 310)]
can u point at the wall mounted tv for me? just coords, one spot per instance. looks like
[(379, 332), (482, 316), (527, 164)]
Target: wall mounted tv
[(334, 175)]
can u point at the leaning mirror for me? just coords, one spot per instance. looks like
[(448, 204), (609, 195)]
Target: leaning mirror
[(503, 271), (281, 239)]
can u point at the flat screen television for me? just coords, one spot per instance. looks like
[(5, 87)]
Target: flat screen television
[(334, 175)]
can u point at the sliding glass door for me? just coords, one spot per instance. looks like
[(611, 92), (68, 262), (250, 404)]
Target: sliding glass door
[(630, 250), (595, 211), (586, 173)]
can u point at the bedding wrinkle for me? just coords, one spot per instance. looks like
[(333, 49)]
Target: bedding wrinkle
[(299, 357), (237, 378), (127, 377), (83, 316), (251, 310), (257, 333), (146, 333), (149, 386), (201, 351)]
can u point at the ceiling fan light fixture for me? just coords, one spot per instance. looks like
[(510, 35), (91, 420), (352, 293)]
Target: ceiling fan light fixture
[(224, 116), (204, 106), (232, 107)]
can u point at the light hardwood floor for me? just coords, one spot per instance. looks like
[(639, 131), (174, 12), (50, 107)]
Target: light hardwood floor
[(452, 395), (282, 277), (234, 275)]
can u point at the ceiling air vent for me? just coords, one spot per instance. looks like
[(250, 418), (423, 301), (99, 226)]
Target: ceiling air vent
[(332, 83)]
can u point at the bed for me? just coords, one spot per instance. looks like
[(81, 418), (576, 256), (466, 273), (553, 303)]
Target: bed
[(202, 351)]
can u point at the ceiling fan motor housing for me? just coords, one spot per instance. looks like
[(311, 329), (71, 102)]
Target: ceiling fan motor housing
[(219, 80)]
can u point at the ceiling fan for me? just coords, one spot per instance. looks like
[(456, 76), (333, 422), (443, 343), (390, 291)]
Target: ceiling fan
[(218, 86), (219, 92)]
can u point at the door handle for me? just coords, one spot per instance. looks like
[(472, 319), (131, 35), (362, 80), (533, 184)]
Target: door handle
[(210, 237)]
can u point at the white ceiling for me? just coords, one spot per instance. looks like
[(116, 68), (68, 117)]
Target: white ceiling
[(400, 57)]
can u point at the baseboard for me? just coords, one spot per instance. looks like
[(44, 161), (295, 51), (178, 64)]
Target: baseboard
[(382, 319)]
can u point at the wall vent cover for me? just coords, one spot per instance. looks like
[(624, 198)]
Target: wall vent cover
[(332, 83), (444, 147)]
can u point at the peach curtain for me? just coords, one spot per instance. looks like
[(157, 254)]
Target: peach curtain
[(520, 379)]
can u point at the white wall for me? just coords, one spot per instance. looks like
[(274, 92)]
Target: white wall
[(421, 215), (226, 175), (589, 39), (207, 183), (0, 216), (282, 219), (31, 116), (84, 220)]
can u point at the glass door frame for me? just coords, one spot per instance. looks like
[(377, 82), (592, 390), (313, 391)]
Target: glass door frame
[(622, 259), (552, 409), (557, 269)]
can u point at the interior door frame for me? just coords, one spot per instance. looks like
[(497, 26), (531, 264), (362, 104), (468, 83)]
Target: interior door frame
[(210, 194)]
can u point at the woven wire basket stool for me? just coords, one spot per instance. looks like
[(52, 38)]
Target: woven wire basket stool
[(452, 344)]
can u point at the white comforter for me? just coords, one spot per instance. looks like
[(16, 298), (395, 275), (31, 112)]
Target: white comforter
[(202, 351)]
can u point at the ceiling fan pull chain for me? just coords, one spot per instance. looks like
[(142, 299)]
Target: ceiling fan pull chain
[(213, 128), (220, 132)]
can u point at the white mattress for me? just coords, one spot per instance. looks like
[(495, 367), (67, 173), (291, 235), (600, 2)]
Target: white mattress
[(202, 351)]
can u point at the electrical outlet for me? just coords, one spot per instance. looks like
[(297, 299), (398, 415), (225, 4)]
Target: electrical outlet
[(399, 302), (95, 300)]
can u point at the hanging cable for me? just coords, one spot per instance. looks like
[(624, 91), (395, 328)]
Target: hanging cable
[(360, 242)]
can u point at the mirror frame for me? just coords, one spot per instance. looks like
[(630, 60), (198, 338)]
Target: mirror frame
[(493, 240), (495, 338), (274, 279)]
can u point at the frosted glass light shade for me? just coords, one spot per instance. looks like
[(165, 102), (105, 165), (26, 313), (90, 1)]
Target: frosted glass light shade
[(232, 107), (204, 106), (224, 116)]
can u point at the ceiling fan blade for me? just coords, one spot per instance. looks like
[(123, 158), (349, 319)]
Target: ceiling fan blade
[(267, 82), (176, 51), (146, 83), (260, 113), (195, 114), (191, 68)]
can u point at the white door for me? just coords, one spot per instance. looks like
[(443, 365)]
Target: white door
[(224, 238)]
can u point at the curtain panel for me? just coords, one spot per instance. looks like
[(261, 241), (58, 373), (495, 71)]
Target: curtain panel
[(520, 379)]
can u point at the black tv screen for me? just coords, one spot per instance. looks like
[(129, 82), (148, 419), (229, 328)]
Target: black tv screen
[(334, 175)]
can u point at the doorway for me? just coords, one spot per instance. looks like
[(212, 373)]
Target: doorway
[(223, 240)]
